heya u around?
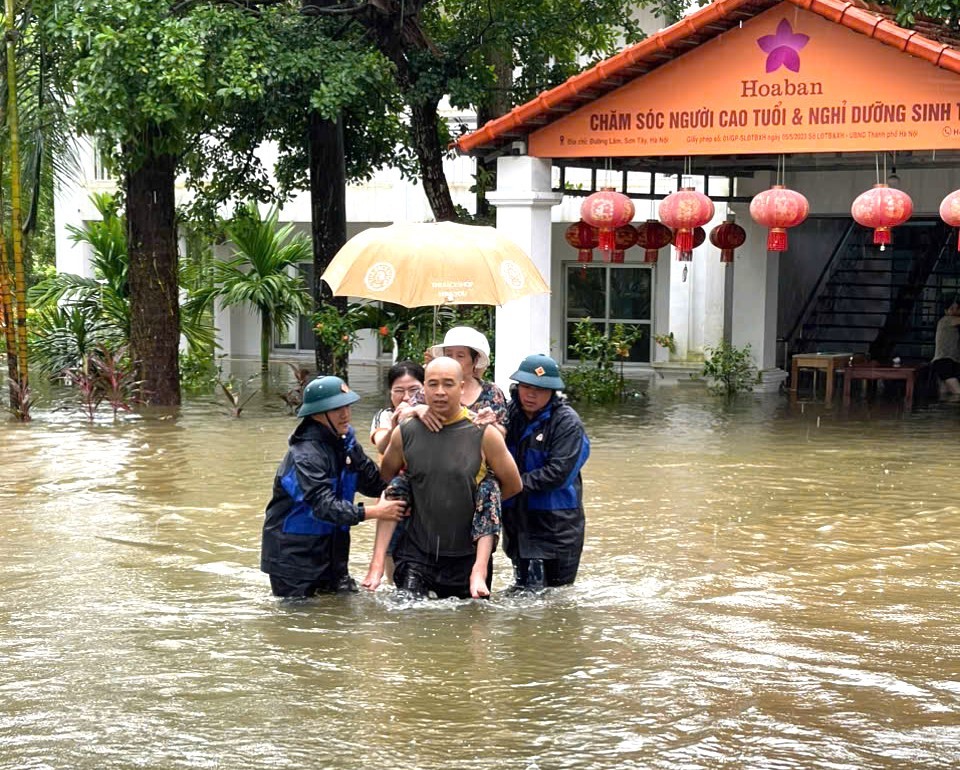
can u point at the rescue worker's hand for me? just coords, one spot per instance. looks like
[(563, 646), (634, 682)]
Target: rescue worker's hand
[(389, 510), (478, 584), (374, 577)]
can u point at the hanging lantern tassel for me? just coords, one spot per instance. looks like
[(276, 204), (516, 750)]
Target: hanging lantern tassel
[(683, 211), (651, 237), (950, 211), (882, 208), (697, 236), (778, 208), (584, 238), (727, 237), (626, 237), (607, 210)]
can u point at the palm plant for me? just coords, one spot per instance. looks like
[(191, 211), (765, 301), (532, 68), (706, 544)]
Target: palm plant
[(263, 272), (73, 313)]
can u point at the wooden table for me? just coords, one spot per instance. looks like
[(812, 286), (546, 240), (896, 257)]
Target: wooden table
[(831, 363), (881, 373)]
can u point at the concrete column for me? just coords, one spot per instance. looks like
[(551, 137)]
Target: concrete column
[(523, 199), (755, 293)]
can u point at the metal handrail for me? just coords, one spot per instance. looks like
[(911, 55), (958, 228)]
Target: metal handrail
[(822, 279)]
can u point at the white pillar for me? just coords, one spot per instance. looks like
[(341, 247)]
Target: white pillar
[(523, 199), (756, 280)]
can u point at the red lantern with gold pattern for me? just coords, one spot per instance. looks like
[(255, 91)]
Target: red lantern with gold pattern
[(685, 210), (584, 238), (699, 235), (950, 211), (778, 208), (626, 237), (882, 208), (727, 237), (651, 237), (607, 210)]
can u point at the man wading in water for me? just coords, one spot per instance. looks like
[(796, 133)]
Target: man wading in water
[(447, 546)]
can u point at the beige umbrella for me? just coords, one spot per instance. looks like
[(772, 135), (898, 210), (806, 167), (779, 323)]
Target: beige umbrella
[(433, 263)]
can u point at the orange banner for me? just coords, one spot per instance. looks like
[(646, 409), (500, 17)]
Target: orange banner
[(786, 81)]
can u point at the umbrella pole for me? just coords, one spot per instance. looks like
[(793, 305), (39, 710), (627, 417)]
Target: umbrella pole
[(436, 311)]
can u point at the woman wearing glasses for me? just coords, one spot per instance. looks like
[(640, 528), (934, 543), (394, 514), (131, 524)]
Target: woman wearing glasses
[(404, 386)]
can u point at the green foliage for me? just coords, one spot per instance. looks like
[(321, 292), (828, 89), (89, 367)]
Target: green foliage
[(264, 271), (73, 314), (729, 369), (335, 331), (666, 341), (596, 379)]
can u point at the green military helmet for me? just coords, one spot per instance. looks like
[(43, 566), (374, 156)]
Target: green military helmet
[(325, 394), (540, 371)]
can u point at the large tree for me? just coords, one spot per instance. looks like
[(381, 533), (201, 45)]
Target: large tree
[(486, 56)]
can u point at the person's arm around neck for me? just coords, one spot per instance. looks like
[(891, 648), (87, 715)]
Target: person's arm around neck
[(501, 462)]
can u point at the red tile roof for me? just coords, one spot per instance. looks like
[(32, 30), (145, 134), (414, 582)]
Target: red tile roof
[(688, 33)]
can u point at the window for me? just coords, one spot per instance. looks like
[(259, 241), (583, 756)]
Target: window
[(299, 334), (101, 163), (609, 294)]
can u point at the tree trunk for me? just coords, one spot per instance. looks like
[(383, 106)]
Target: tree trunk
[(266, 334), (21, 408), (328, 221), (424, 132), (497, 104), (154, 300)]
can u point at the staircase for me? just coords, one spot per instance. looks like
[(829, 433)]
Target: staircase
[(881, 303)]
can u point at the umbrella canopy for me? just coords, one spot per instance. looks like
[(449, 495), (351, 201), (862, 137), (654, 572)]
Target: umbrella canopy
[(433, 263)]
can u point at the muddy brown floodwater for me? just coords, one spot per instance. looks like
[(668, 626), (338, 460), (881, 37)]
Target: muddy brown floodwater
[(763, 587)]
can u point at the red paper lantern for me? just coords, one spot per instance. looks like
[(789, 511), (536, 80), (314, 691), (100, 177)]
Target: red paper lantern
[(685, 210), (778, 208), (727, 237), (699, 235), (625, 238), (653, 236), (882, 208), (584, 238), (607, 210), (950, 211)]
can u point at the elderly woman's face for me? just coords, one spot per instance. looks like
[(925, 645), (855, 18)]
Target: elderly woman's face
[(463, 356)]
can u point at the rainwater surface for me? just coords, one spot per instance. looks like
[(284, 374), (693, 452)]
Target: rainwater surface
[(763, 586)]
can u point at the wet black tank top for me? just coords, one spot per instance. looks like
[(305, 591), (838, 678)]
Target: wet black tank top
[(442, 468)]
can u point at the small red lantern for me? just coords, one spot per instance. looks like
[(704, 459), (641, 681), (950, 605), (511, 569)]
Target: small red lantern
[(727, 237), (583, 238), (626, 237), (685, 210), (778, 208), (882, 208), (607, 210), (653, 236), (950, 211), (699, 235)]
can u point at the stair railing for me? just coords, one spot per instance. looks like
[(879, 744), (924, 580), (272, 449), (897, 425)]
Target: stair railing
[(822, 280)]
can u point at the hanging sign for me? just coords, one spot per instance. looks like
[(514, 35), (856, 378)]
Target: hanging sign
[(788, 80)]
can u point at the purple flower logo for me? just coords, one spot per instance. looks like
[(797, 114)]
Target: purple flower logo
[(783, 48)]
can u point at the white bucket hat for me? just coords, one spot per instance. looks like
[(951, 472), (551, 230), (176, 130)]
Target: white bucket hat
[(464, 336)]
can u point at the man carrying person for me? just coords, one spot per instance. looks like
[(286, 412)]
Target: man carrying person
[(448, 543)]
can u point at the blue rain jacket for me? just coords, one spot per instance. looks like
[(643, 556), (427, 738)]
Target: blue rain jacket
[(306, 530), (546, 519)]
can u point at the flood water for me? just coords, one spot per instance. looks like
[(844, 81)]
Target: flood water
[(763, 587)]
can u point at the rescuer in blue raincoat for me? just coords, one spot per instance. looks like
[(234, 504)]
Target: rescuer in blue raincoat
[(306, 531), (543, 526)]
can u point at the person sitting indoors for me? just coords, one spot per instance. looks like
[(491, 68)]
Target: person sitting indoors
[(946, 354), (306, 531), (447, 545), (543, 526), (404, 387)]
